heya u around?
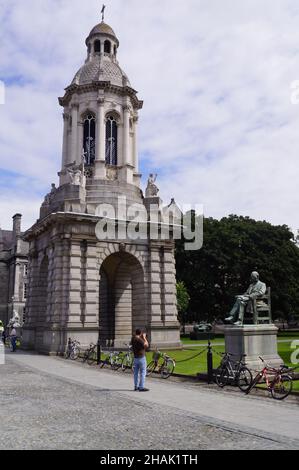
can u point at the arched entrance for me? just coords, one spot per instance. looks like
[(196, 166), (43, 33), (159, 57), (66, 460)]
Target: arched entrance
[(122, 299)]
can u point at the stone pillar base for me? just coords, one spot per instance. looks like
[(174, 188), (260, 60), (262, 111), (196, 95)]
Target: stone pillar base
[(126, 174), (100, 170), (54, 341), (254, 341), (164, 337)]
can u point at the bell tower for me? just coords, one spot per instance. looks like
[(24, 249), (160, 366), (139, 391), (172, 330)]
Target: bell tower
[(81, 284), (101, 115)]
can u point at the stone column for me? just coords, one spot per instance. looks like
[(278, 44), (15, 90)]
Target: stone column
[(92, 280), (135, 146), (74, 147), (126, 137), (169, 285), (100, 170), (80, 142), (16, 293), (155, 285), (65, 140), (126, 174)]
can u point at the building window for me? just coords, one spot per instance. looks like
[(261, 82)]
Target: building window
[(97, 46), (89, 139), (111, 141), (107, 47)]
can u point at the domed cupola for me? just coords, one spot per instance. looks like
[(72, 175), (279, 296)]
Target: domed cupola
[(101, 63)]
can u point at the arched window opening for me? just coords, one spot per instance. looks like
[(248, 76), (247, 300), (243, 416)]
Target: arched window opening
[(111, 141), (107, 47), (97, 46), (89, 139)]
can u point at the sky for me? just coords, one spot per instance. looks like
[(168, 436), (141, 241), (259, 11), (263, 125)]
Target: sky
[(219, 124)]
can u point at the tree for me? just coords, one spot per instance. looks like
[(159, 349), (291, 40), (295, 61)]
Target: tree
[(233, 247), (183, 299)]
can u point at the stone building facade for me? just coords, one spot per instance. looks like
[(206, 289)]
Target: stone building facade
[(82, 284), (13, 271)]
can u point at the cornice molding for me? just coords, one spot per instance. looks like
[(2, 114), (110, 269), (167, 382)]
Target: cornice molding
[(74, 89)]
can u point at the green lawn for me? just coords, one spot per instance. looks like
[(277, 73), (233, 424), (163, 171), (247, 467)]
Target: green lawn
[(199, 364)]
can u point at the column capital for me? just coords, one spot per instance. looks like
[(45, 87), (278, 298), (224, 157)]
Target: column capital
[(126, 108), (75, 105), (65, 116)]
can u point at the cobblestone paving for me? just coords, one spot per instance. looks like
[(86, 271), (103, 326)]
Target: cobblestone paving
[(39, 411)]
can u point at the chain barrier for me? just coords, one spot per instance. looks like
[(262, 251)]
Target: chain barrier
[(192, 357), (216, 352)]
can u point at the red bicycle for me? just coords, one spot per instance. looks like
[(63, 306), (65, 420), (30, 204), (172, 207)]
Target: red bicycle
[(278, 381)]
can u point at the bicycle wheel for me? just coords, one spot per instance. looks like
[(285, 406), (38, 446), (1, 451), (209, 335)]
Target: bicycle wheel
[(150, 368), (75, 354), (104, 362), (254, 382), (92, 357), (125, 363), (222, 376), (115, 364), (281, 387), (244, 379), (167, 368)]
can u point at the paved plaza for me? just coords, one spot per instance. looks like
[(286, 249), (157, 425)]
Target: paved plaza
[(50, 403)]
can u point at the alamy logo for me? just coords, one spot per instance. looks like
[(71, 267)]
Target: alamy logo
[(124, 221), (2, 92)]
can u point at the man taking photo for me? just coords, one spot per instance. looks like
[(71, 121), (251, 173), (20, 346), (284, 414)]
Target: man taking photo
[(139, 345)]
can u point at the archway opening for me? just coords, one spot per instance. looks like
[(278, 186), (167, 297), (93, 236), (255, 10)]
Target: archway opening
[(122, 299)]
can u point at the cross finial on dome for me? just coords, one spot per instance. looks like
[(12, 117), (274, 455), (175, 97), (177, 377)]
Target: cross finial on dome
[(103, 12)]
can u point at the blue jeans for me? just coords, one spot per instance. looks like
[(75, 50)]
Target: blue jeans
[(13, 341), (140, 370)]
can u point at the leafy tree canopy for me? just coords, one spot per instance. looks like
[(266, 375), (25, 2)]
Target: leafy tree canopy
[(234, 247)]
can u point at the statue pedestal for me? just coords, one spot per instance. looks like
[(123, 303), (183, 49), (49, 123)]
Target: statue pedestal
[(254, 341)]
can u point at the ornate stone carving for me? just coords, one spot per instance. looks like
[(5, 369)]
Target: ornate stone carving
[(76, 175), (88, 172), (49, 197), (152, 190), (111, 173)]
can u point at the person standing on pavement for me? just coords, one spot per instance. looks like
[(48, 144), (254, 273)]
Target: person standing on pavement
[(139, 346), (2, 334), (13, 339)]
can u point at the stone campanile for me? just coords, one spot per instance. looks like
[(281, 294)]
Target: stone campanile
[(79, 284)]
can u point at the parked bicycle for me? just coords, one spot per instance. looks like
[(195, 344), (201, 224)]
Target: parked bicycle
[(112, 359), (90, 355), (165, 368), (279, 382), (73, 349), (233, 372), (128, 360)]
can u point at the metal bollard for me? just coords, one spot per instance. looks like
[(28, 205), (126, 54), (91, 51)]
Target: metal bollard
[(98, 352), (210, 363)]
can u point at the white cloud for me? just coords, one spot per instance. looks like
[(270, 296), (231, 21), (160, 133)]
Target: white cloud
[(215, 77)]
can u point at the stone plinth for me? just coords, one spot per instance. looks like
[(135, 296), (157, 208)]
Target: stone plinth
[(254, 341)]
